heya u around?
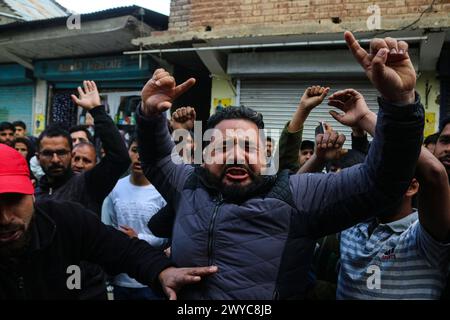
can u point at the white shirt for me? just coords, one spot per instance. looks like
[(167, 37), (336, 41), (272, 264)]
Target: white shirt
[(133, 206)]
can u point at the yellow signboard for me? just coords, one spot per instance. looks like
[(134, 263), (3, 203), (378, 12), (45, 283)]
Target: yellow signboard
[(39, 124), (219, 104), (430, 123)]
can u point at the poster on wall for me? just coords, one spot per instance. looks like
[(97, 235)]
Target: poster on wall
[(430, 123), (219, 104), (39, 124)]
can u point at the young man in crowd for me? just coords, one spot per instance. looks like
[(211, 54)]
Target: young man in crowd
[(129, 207), (7, 133), (43, 242), (260, 230)]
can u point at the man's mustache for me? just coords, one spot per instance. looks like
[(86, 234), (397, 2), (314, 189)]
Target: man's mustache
[(55, 166), (11, 227)]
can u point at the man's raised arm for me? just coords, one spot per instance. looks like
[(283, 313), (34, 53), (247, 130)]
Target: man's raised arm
[(377, 186), (161, 166), (104, 176)]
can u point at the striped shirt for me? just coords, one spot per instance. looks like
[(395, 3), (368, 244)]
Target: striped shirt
[(397, 260)]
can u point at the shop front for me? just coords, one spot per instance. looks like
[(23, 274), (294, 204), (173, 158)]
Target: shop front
[(118, 78)]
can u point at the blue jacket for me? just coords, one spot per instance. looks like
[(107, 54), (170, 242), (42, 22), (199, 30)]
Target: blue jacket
[(264, 246)]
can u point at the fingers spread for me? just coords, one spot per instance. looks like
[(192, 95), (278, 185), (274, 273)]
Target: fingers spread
[(75, 99)]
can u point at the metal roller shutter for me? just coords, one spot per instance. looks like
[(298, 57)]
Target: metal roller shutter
[(16, 103), (277, 99)]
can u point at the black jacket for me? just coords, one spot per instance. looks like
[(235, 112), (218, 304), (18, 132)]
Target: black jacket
[(63, 234), (92, 187)]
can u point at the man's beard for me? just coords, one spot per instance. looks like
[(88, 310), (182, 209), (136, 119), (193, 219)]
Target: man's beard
[(16, 247), (236, 193)]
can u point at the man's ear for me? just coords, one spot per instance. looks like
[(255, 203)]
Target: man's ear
[(413, 188)]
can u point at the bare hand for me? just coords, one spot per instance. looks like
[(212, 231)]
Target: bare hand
[(173, 279), (129, 231), (388, 67), (352, 103), (160, 91), (89, 98), (183, 118), (329, 144), (313, 96)]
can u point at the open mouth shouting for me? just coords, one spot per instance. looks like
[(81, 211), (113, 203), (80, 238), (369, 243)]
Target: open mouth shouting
[(237, 174)]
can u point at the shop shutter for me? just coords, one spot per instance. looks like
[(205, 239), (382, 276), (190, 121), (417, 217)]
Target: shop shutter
[(16, 103), (277, 100)]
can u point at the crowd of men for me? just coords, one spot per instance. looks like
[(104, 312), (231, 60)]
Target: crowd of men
[(370, 222)]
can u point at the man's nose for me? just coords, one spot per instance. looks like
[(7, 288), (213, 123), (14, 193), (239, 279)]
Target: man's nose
[(5, 215), (55, 158)]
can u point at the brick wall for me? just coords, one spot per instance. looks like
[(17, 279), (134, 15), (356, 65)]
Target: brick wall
[(307, 15)]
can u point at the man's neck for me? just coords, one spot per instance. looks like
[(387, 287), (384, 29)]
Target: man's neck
[(139, 180), (405, 210), (59, 180)]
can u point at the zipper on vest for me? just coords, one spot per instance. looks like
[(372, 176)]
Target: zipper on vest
[(21, 286), (212, 224)]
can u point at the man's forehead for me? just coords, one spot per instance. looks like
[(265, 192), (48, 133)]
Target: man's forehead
[(446, 130), (230, 124), (84, 149), (77, 134), (54, 142)]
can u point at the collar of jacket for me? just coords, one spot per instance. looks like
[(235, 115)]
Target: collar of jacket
[(44, 183)]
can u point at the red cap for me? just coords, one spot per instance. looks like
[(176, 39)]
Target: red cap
[(14, 172)]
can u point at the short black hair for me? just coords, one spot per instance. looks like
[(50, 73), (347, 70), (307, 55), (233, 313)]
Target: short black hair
[(307, 145), (444, 122), (268, 138), (19, 123), (54, 131), (432, 138), (231, 112), (84, 128), (26, 142), (133, 138), (6, 126)]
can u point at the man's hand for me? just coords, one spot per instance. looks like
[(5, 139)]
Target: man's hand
[(173, 279), (89, 98), (356, 111), (387, 66), (183, 118), (329, 145), (313, 96), (160, 91), (129, 231)]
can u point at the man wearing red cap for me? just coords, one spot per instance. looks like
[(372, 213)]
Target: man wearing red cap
[(41, 242)]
